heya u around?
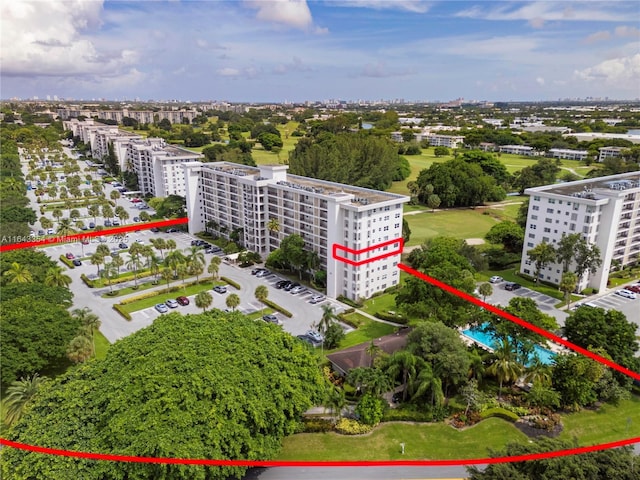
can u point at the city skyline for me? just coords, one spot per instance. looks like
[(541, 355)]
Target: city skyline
[(294, 50)]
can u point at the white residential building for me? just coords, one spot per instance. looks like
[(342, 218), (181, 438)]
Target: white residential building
[(609, 152), (517, 150), (450, 141), (605, 211), (326, 214), (567, 154), (159, 166)]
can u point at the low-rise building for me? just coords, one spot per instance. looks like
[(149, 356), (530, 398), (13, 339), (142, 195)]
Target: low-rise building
[(517, 150), (567, 154), (449, 141), (609, 152)]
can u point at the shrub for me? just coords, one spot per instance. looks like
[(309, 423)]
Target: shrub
[(344, 319), (67, 262), (317, 425), (231, 282), (370, 409), (407, 413), (391, 318), (500, 412), (346, 426), (277, 307), (129, 300), (87, 282), (349, 302), (119, 309)]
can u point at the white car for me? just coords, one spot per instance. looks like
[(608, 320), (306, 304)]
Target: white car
[(626, 293), (496, 279), (316, 299)]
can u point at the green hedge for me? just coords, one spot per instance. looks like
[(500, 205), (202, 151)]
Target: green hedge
[(119, 309), (403, 414), (231, 282), (346, 426), (500, 412), (67, 262), (277, 307), (343, 318), (391, 318), (349, 302), (87, 282), (317, 425)]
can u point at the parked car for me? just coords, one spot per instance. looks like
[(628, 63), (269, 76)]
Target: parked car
[(512, 286), (257, 270), (316, 299), (263, 273), (50, 231), (77, 262), (626, 293), (633, 288), (123, 246), (496, 279), (70, 255), (85, 241), (107, 223), (172, 303), (296, 290), (41, 233), (197, 243), (182, 300), (136, 219), (291, 286), (83, 227), (116, 223), (162, 308), (315, 336), (92, 225), (271, 319), (308, 340), (220, 289), (135, 200), (282, 284), (172, 230), (155, 229)]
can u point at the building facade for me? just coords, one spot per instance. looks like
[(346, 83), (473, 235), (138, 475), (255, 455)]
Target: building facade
[(609, 152), (266, 205), (605, 211), (567, 154), (517, 150)]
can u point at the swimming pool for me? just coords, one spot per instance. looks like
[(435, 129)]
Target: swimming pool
[(488, 340)]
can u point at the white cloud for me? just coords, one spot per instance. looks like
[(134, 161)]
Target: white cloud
[(296, 65), (49, 39), (622, 72), (598, 37), (415, 6), (293, 13), (540, 81), (624, 31), (228, 72)]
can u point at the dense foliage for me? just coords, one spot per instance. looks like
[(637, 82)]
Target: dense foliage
[(351, 158), (213, 385)]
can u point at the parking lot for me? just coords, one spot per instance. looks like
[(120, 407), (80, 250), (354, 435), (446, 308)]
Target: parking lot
[(613, 301)]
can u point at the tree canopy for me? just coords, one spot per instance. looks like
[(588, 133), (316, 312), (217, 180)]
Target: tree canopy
[(232, 390)]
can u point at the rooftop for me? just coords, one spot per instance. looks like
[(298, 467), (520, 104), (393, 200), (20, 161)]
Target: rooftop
[(594, 189)]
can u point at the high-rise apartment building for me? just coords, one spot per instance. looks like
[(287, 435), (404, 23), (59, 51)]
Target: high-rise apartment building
[(265, 204), (605, 211)]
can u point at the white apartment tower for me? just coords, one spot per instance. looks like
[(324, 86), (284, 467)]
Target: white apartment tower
[(232, 197), (605, 210)]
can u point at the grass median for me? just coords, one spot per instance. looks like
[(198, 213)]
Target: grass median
[(163, 297)]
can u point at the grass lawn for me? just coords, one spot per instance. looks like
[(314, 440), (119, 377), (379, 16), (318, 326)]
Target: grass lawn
[(102, 345), (422, 441), (608, 424), (367, 330), (161, 298), (127, 290), (381, 303), (465, 223)]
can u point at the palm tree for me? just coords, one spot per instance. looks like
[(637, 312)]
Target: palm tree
[(233, 301), (79, 350), (214, 267), (57, 213), (89, 321), (195, 255), (568, 284), (167, 275), (122, 214), (425, 381), (110, 273), (505, 366), (46, 223), (538, 372), (115, 195), (74, 214), (64, 227), (159, 244), (261, 293), (173, 260), (94, 211), (485, 290), (117, 262), (273, 225), (55, 277), (96, 259), (103, 250), (154, 267), (134, 264), (17, 273), (203, 300), (107, 211), (19, 395), (312, 262), (327, 319), (171, 244), (403, 363), (144, 216), (335, 400), (373, 351)]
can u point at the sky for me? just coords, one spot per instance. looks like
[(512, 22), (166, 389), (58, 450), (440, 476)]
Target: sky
[(299, 50)]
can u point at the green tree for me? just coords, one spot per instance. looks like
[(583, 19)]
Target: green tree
[(236, 407), (508, 234), (232, 302), (405, 365), (89, 321), (505, 367), (115, 195), (542, 255), (79, 349), (204, 300), (568, 284), (441, 151), (566, 249), (485, 290), (370, 409), (328, 318), (57, 278), (335, 400), (64, 227), (214, 267), (17, 273), (433, 202), (261, 293), (19, 395)]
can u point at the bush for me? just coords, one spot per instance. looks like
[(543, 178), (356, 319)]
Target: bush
[(317, 425), (129, 300), (119, 309), (343, 318), (407, 413), (370, 409), (500, 412), (349, 302), (347, 426), (87, 282), (236, 285), (67, 262), (391, 318), (277, 307)]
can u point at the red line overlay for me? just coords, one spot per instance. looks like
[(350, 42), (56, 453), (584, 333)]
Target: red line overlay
[(275, 463), (337, 247), (519, 321), (79, 236), (382, 463)]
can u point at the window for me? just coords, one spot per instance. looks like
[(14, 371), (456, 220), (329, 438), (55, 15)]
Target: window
[(536, 207), (531, 235), (530, 244), (534, 217), (536, 198), (549, 210), (547, 230), (548, 220), (551, 200)]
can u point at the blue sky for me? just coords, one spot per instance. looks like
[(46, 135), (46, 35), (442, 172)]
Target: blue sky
[(268, 50)]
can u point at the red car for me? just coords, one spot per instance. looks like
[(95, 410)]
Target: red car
[(70, 256), (182, 300), (135, 200), (634, 288)]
